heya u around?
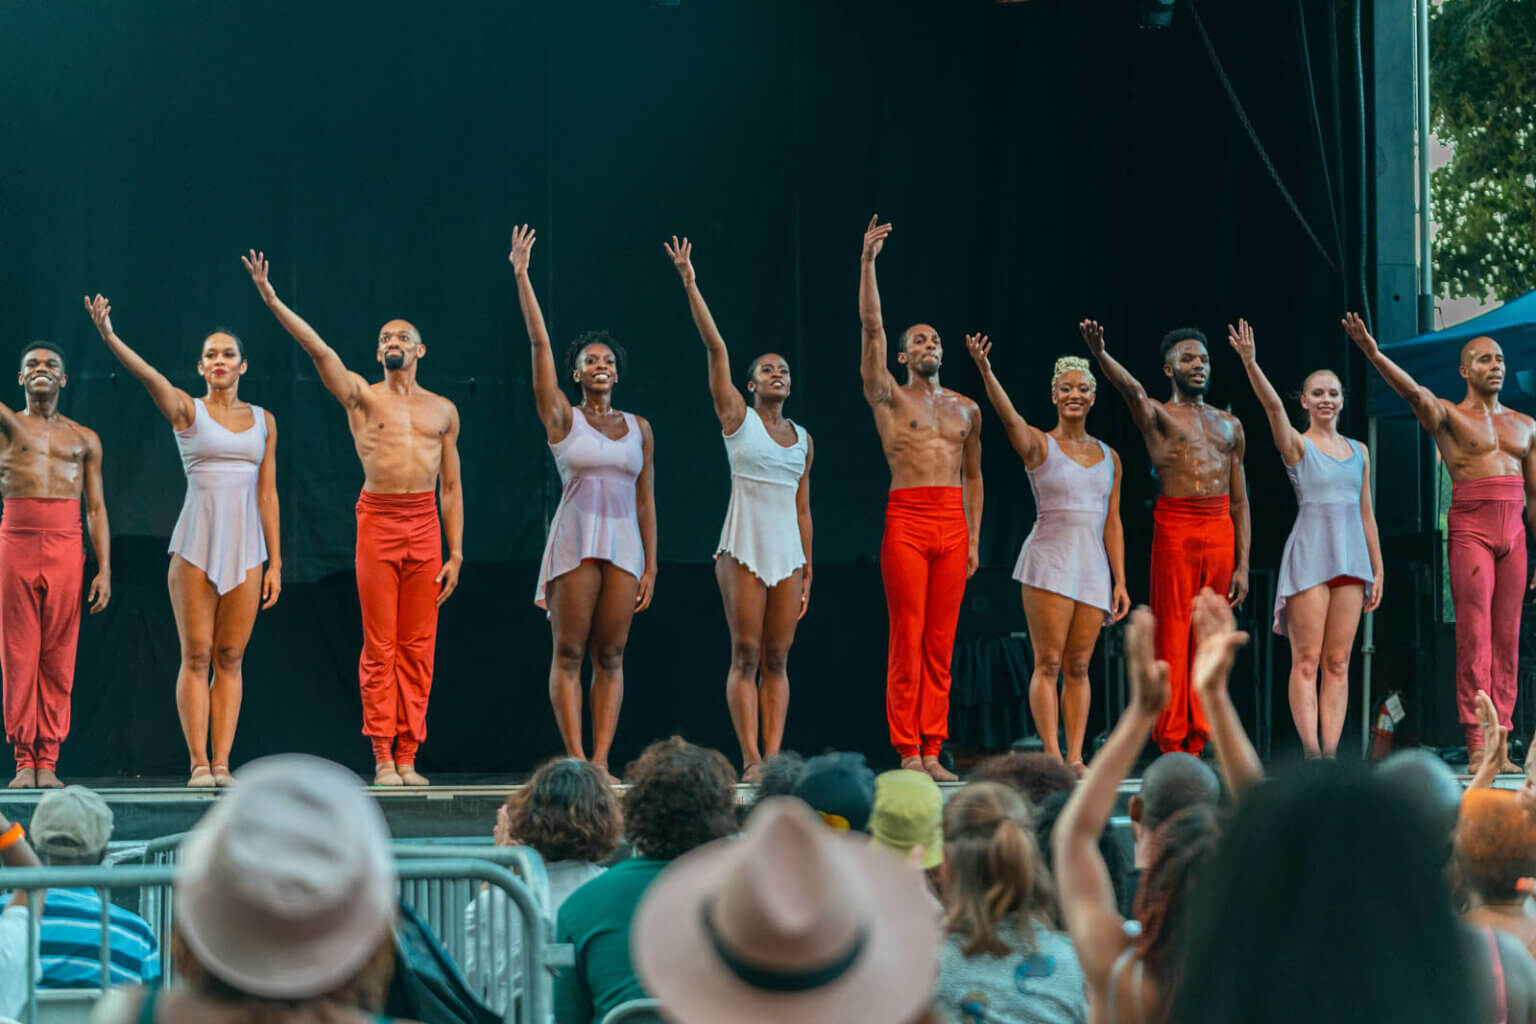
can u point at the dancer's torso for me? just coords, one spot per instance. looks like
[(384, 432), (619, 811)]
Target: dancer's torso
[(756, 455), (1062, 484), (399, 438), (586, 453), (1192, 448), (1321, 478), (214, 455), (924, 436), (1475, 445), (42, 458)]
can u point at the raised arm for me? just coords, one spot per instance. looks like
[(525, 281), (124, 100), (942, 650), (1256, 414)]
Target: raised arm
[(174, 404), (803, 517), (878, 382), (1114, 545), (267, 511), (1087, 897), (1428, 409), (645, 510), (554, 408), (1495, 743), (1028, 441), (971, 490), (1242, 530), (1372, 540), (96, 521), (730, 407), (1144, 411), (348, 387), (1287, 438), (450, 495), (1217, 640)]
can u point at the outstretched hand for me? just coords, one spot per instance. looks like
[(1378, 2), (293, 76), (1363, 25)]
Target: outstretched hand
[(256, 265), (1217, 641), (681, 254), (1093, 337), (448, 579), (1241, 338), (522, 248), (101, 314), (1149, 677), (874, 238), (980, 349), (1355, 328)]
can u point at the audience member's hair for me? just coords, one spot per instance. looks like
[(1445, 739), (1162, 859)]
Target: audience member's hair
[(680, 796), (1035, 775), (1173, 782), (1427, 781), (1495, 843), (367, 989), (1116, 861), (1181, 850), (780, 773), (1327, 903), (567, 812), (994, 867)]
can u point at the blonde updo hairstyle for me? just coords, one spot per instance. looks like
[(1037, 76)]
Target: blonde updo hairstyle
[(1066, 364)]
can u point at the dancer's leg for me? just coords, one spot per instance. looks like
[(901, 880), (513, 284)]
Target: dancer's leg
[(1306, 614), (610, 633), (21, 647), (233, 619), (1344, 604), (1174, 584), (745, 598), (1087, 622), (780, 619), (946, 592), (904, 571), (378, 597), (63, 572), (1048, 617), (1504, 619), (572, 601), (193, 603), (1471, 567), (416, 648)]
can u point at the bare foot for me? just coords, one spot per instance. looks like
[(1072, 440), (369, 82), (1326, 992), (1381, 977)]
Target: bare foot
[(602, 766), (221, 776), (752, 774), (411, 777), (26, 778), (937, 771), (913, 764), (384, 774), (1510, 768), (46, 779), (202, 777)]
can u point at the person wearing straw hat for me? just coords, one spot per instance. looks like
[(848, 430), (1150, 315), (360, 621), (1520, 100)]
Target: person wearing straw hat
[(284, 905), (791, 922)]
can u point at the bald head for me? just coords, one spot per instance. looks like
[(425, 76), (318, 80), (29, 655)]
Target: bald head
[(1426, 780), (1173, 782), (1482, 364), (1477, 346)]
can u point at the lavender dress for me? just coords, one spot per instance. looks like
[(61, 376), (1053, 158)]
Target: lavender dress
[(219, 529), (1064, 553), (596, 518), (1328, 539)]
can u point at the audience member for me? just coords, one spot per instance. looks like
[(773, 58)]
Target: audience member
[(1116, 861), (1172, 782), (792, 922), (680, 797), (1036, 775), (840, 787), (1495, 858), (780, 773), (1005, 959), (284, 906), (15, 922), (568, 815), (908, 816)]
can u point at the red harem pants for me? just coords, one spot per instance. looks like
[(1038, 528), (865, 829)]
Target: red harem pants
[(42, 564), (923, 562), (399, 554), (1486, 550), (1192, 547)]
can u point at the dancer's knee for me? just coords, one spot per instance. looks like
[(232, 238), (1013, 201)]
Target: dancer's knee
[(229, 657), (775, 659)]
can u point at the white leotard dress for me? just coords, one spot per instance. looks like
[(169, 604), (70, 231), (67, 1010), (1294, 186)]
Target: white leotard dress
[(219, 529), (762, 524)]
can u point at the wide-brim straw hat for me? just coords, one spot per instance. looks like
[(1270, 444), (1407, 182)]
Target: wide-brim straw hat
[(791, 922), (286, 887)]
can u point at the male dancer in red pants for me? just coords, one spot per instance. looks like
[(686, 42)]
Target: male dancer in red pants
[(932, 442), (407, 440), (46, 462), (1489, 453), (1201, 514)]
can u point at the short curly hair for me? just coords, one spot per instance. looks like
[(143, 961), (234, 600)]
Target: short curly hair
[(680, 796), (567, 812), (1495, 843), (581, 341)]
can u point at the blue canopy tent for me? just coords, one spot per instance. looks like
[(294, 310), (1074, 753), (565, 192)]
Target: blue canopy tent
[(1432, 359)]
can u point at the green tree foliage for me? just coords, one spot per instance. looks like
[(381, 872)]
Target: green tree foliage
[(1483, 103)]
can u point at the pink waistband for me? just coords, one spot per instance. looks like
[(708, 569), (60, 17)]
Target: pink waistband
[(61, 515), (1489, 488), (416, 503), (927, 498), (1207, 505)]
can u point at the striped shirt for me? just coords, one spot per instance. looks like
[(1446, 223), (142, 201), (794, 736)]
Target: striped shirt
[(69, 942)]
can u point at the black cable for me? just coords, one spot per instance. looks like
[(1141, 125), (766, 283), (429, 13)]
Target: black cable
[(1364, 240), (1317, 124), (1253, 136)]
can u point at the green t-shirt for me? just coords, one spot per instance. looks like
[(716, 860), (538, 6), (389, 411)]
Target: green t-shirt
[(595, 919)]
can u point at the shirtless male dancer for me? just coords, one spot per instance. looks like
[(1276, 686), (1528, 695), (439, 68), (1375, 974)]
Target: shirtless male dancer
[(1201, 514), (47, 461), (932, 442), (407, 440), (1489, 453)]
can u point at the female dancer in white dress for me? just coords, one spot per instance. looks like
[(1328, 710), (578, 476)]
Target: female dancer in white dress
[(599, 565), (227, 529), (1072, 565), (763, 560), (1331, 570)]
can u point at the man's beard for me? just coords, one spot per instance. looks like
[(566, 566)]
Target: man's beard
[(1188, 387), (394, 360)]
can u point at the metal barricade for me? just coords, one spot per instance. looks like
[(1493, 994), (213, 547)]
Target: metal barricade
[(533, 1008)]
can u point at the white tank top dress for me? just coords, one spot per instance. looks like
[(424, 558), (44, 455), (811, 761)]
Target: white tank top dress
[(1328, 539), (1064, 553), (762, 523), (219, 529), (596, 517)]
